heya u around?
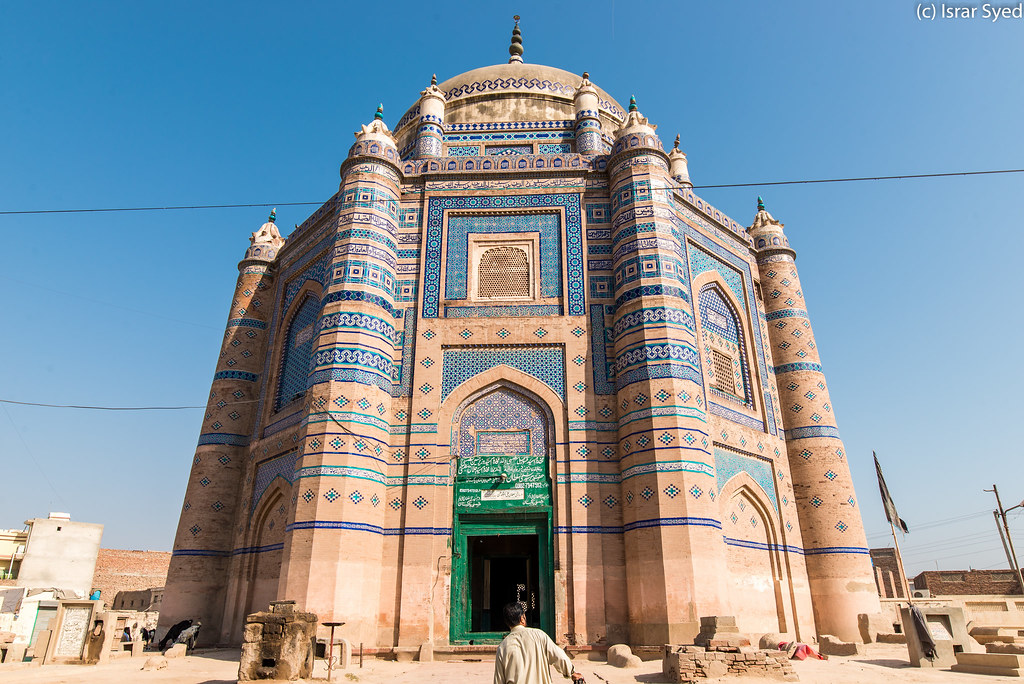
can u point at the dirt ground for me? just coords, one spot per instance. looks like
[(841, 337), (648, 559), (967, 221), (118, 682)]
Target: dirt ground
[(882, 663)]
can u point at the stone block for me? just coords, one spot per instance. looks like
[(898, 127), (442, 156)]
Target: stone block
[(871, 625), (426, 653), (832, 646), (176, 651), (12, 653), (620, 655), (771, 640), (405, 655), (943, 642), (716, 668), (1004, 647), (154, 663), (1001, 664), (891, 638)]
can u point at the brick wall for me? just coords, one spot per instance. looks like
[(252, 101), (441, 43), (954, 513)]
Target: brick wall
[(961, 582), (124, 570), (888, 579)]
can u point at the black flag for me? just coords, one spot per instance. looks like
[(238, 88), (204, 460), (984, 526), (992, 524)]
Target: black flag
[(890, 508)]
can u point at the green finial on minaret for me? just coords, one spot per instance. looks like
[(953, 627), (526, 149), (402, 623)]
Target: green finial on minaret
[(380, 112), (515, 50), (433, 79), (273, 215), (760, 203), (632, 103)]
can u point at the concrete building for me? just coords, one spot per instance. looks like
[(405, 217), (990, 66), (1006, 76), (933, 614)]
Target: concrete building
[(60, 553), (517, 357)]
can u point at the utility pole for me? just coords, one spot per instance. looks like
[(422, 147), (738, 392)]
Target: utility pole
[(1011, 555)]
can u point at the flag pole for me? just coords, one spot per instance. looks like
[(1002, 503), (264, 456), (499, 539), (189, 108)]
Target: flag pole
[(899, 564)]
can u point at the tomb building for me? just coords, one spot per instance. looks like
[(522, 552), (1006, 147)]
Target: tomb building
[(517, 357)]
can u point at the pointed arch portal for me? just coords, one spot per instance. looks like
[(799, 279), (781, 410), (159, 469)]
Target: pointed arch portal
[(502, 444)]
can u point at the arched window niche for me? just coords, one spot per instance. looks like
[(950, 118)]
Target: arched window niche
[(727, 370), (298, 349)]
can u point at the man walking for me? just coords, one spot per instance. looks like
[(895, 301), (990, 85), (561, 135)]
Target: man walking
[(526, 654)]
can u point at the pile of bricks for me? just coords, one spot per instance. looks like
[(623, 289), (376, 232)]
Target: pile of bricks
[(690, 663)]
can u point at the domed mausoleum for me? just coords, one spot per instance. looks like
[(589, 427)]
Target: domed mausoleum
[(516, 357)]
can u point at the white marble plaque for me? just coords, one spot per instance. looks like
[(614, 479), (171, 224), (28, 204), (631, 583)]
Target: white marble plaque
[(502, 495), (73, 632)]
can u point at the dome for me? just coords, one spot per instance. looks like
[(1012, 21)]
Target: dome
[(514, 92)]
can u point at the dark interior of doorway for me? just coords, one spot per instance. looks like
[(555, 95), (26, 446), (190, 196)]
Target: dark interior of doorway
[(503, 568)]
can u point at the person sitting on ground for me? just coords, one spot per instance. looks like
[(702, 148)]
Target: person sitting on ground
[(526, 654), (173, 632)]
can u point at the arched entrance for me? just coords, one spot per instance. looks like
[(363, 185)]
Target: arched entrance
[(502, 542)]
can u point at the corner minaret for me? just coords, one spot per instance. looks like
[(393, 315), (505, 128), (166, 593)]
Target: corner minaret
[(198, 573), (588, 123), (679, 169), (838, 565), (431, 129)]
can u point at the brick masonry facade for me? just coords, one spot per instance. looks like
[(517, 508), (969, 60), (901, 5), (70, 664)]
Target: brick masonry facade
[(125, 570)]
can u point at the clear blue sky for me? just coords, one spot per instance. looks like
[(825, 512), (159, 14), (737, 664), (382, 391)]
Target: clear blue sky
[(909, 283)]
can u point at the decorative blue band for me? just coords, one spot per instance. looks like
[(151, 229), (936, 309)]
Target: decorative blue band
[(671, 522), (356, 296), (786, 313), (760, 546), (223, 438), (247, 323), (836, 549), (735, 416), (656, 371), (258, 549), (588, 529), (652, 290), (236, 375), (366, 527), (668, 467), (200, 552), (502, 311), (790, 367), (813, 431)]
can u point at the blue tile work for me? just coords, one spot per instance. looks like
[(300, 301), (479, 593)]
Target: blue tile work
[(565, 124), (319, 271), (437, 206), (601, 287), (546, 363), (526, 310), (295, 361), (358, 272), (554, 148), (402, 386), (728, 463), (502, 150), (464, 151), (701, 261), (600, 341), (650, 266), (282, 466), (510, 137), (684, 231), (721, 328), (524, 83), (461, 227), (502, 411), (369, 325)]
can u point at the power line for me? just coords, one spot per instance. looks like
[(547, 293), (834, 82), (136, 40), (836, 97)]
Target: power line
[(805, 181), (117, 408), (168, 208)]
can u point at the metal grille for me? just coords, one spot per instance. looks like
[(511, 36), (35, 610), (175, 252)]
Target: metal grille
[(504, 273), (722, 367)]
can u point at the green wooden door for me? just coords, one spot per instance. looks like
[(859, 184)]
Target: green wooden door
[(498, 559)]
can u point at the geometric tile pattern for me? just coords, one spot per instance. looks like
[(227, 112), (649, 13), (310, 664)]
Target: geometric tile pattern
[(544, 363)]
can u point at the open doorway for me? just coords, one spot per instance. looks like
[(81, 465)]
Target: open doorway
[(502, 569)]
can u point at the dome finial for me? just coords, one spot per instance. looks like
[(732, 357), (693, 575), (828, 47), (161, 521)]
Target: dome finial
[(433, 79), (380, 112), (676, 145), (760, 203), (632, 103), (515, 50), (273, 215)]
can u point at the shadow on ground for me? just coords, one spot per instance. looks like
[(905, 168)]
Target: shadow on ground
[(883, 662)]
